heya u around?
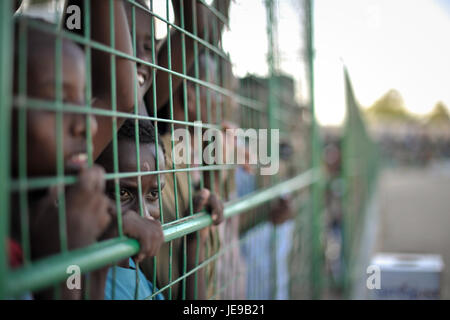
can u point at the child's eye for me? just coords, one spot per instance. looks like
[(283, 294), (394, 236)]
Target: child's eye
[(148, 47), (153, 195), (125, 196)]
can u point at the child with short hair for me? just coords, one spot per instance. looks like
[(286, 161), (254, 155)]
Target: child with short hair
[(88, 210), (86, 204), (147, 228), (148, 200), (146, 86)]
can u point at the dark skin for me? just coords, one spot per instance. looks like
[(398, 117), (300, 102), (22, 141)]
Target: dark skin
[(73, 94), (144, 49), (101, 75), (41, 136), (125, 73), (204, 27), (203, 199), (101, 67), (147, 229), (85, 201), (144, 52), (86, 217)]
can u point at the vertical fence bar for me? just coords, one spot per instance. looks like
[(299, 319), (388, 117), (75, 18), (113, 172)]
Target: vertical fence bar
[(114, 136), (88, 98), (59, 142), (22, 140), (6, 32), (316, 265), (199, 138), (155, 112), (172, 146), (136, 137), (218, 120), (271, 125), (188, 146), (88, 58), (114, 117), (349, 170), (136, 111)]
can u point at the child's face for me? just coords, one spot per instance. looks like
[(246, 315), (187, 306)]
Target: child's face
[(143, 47), (129, 192), (41, 124)]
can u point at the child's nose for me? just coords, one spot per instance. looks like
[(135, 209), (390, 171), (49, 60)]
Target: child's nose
[(94, 125), (151, 212), (155, 214), (79, 126)]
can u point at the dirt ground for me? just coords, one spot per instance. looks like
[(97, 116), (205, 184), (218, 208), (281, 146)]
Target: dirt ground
[(414, 213)]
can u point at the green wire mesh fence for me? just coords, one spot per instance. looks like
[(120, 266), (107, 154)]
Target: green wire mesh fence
[(182, 81)]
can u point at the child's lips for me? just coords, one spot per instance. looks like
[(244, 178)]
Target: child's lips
[(77, 161)]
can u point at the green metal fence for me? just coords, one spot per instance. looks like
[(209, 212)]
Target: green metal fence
[(359, 169), (263, 102)]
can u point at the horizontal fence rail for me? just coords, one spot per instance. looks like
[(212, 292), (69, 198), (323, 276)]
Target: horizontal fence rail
[(53, 269)]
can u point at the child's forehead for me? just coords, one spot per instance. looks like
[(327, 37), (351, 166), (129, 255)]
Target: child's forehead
[(147, 160), (127, 151), (43, 44), (42, 60)]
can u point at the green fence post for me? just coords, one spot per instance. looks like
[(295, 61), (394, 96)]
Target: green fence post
[(345, 204), (6, 32), (358, 175), (273, 110), (316, 254)]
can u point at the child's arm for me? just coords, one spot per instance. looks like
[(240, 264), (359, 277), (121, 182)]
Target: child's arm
[(203, 200), (205, 19), (101, 68), (101, 65), (86, 219)]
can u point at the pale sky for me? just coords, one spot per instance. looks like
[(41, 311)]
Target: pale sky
[(247, 40), (400, 44), (386, 44)]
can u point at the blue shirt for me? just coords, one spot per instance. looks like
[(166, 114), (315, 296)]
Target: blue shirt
[(125, 284)]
